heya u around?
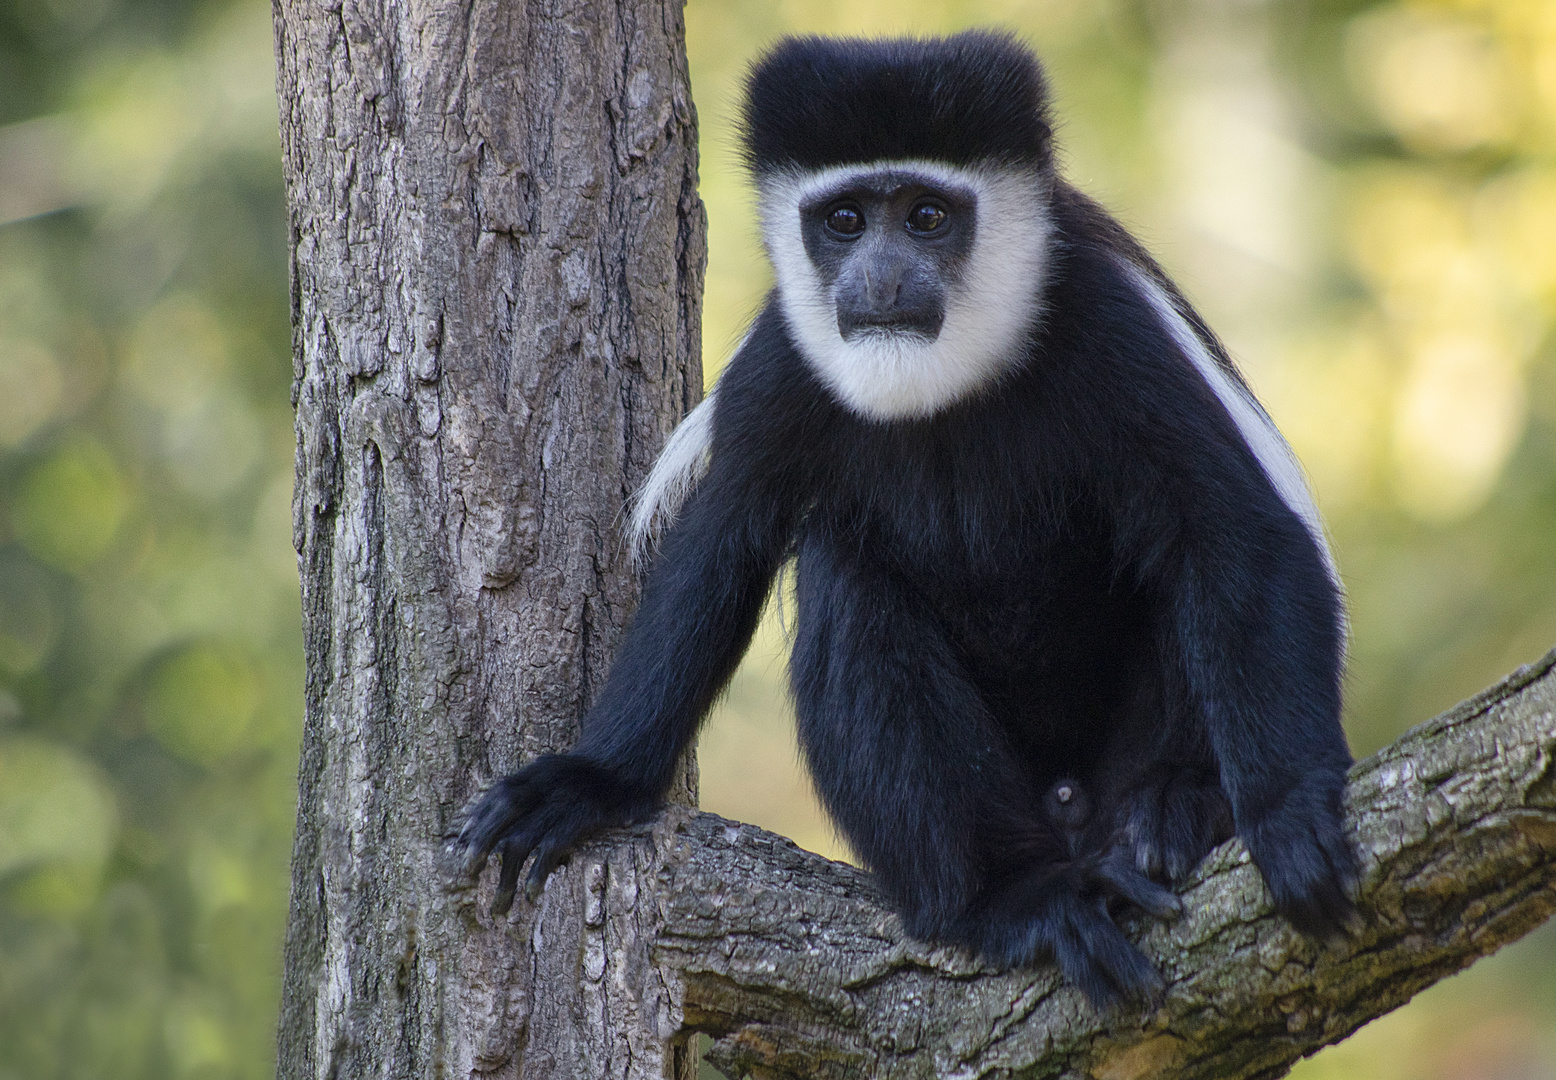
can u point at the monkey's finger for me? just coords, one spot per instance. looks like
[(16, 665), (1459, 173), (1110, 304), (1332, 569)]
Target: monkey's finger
[(493, 815), (1076, 962), (1144, 845), (1331, 899), (547, 858), (508, 880), (1343, 861), (1135, 977), (1321, 910), (1350, 920), (1339, 912)]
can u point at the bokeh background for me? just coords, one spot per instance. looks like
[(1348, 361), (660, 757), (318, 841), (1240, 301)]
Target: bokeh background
[(1360, 195)]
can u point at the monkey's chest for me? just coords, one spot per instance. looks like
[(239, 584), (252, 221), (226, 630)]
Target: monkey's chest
[(1056, 652), (1052, 607), (1033, 608)]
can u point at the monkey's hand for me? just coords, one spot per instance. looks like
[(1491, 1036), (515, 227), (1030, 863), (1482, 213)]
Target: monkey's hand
[(1061, 913), (1170, 820), (1299, 846), (544, 809)]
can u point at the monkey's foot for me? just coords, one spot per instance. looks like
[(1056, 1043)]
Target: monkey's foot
[(1052, 916), (1169, 822)]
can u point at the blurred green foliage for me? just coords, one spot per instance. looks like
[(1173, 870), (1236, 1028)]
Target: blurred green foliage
[(1361, 195), (150, 652)]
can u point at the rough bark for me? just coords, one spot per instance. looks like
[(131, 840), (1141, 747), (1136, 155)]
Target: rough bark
[(497, 257), (497, 254)]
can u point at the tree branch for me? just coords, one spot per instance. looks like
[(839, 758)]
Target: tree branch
[(797, 968)]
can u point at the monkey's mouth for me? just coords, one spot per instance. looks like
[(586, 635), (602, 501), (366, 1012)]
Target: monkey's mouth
[(917, 328)]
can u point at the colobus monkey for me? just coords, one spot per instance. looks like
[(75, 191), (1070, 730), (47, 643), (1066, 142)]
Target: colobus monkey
[(1043, 532)]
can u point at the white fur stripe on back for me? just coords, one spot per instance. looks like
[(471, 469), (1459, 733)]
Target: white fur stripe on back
[(674, 476), (1263, 439)]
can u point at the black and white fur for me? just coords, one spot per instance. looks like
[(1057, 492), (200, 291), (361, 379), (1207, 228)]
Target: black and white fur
[(1046, 541)]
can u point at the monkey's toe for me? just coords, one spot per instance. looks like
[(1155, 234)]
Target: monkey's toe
[(1170, 824)]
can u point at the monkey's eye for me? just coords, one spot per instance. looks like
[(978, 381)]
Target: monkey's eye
[(926, 217), (845, 220)]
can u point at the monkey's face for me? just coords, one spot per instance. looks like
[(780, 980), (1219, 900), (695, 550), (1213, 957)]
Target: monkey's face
[(890, 246), (908, 285)]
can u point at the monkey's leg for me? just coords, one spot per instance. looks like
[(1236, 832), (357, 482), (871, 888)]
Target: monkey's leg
[(1159, 795), (920, 778)]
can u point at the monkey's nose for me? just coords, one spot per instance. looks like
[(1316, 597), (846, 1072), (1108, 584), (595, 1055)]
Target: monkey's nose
[(883, 288), (885, 299)]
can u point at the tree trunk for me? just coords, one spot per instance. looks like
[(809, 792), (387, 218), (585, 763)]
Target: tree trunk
[(496, 278), (497, 255)]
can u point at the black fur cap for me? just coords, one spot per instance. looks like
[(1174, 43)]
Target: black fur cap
[(973, 97)]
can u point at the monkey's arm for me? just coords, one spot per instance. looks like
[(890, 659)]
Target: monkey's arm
[(1248, 629), (1254, 623), (699, 610), (1211, 516)]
